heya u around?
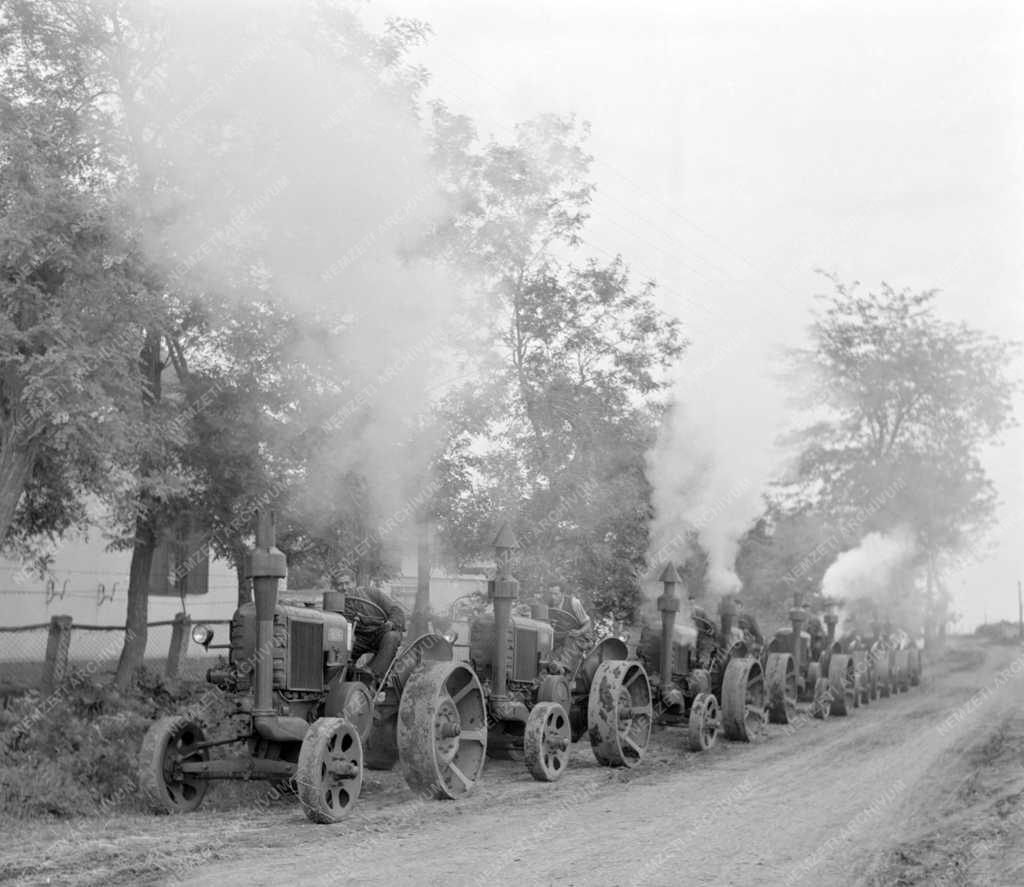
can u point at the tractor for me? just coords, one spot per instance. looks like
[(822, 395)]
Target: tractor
[(850, 660), (905, 661), (708, 681), (535, 709), (797, 668), (303, 711)]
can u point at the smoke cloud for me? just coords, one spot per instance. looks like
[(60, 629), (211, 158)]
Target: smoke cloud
[(870, 570), (716, 452), (285, 172)]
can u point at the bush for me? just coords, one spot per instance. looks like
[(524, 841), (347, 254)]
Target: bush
[(76, 751)]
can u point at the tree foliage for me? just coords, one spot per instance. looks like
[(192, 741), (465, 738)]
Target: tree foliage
[(552, 436), (900, 400)]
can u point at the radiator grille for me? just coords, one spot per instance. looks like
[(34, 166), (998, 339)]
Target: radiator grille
[(306, 669), (525, 658)]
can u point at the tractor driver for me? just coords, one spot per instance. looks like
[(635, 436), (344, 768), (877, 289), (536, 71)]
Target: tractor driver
[(577, 640), (819, 639), (375, 635), (747, 623)]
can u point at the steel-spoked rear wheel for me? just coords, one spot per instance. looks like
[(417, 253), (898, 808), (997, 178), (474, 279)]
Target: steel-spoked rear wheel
[(619, 713), (442, 729), (842, 682), (780, 674), (744, 702)]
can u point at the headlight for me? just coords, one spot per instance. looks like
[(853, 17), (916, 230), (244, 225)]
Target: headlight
[(202, 635)]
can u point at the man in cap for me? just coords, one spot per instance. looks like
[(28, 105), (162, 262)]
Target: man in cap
[(747, 623), (378, 621), (576, 641)]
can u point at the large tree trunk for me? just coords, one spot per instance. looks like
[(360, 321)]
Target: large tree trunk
[(146, 527), (244, 582), (16, 463), (134, 651)]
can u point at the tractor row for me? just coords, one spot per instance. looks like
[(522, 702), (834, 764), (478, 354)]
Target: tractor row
[(835, 675), (303, 711)]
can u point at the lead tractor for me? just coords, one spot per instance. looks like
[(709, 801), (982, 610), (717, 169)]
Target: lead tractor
[(535, 708), (708, 680), (301, 709)]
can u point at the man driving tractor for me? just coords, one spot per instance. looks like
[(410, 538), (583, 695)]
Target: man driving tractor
[(378, 626), (574, 644), (747, 622)]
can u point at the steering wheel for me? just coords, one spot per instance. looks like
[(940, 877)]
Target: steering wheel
[(466, 607), (562, 620), (364, 612), (704, 625)]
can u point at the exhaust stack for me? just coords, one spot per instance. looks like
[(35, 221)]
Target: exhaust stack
[(727, 612), (798, 616), (831, 618), (668, 604), (504, 591), (265, 565)]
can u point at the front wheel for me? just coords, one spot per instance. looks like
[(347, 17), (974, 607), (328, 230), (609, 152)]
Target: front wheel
[(821, 707), (843, 683), (329, 775), (546, 741), (169, 743), (704, 722)]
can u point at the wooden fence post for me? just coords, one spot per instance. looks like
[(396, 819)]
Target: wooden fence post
[(57, 645), (180, 633)]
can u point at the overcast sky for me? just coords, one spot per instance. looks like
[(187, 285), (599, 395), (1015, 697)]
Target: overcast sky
[(740, 146)]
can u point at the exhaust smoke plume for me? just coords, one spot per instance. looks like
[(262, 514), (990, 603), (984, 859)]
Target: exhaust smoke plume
[(716, 452), (286, 173), (869, 571)]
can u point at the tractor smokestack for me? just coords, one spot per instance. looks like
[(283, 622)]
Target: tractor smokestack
[(504, 591), (265, 565), (831, 618), (668, 603), (727, 612), (798, 616)]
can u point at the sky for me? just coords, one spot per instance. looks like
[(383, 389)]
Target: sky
[(739, 147)]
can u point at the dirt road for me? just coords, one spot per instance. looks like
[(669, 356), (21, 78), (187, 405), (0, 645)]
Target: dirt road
[(914, 789)]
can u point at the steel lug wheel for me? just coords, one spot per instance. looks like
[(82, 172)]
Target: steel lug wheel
[(619, 713), (546, 741), (780, 675), (744, 706), (169, 743), (329, 775), (442, 729), (704, 722)]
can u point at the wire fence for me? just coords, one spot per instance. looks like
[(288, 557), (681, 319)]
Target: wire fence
[(33, 655)]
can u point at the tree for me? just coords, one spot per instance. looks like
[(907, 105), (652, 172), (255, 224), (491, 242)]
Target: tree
[(903, 398), (569, 398), (149, 184), (67, 306)]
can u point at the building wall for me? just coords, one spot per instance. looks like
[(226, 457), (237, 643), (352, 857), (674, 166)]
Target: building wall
[(80, 567)]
